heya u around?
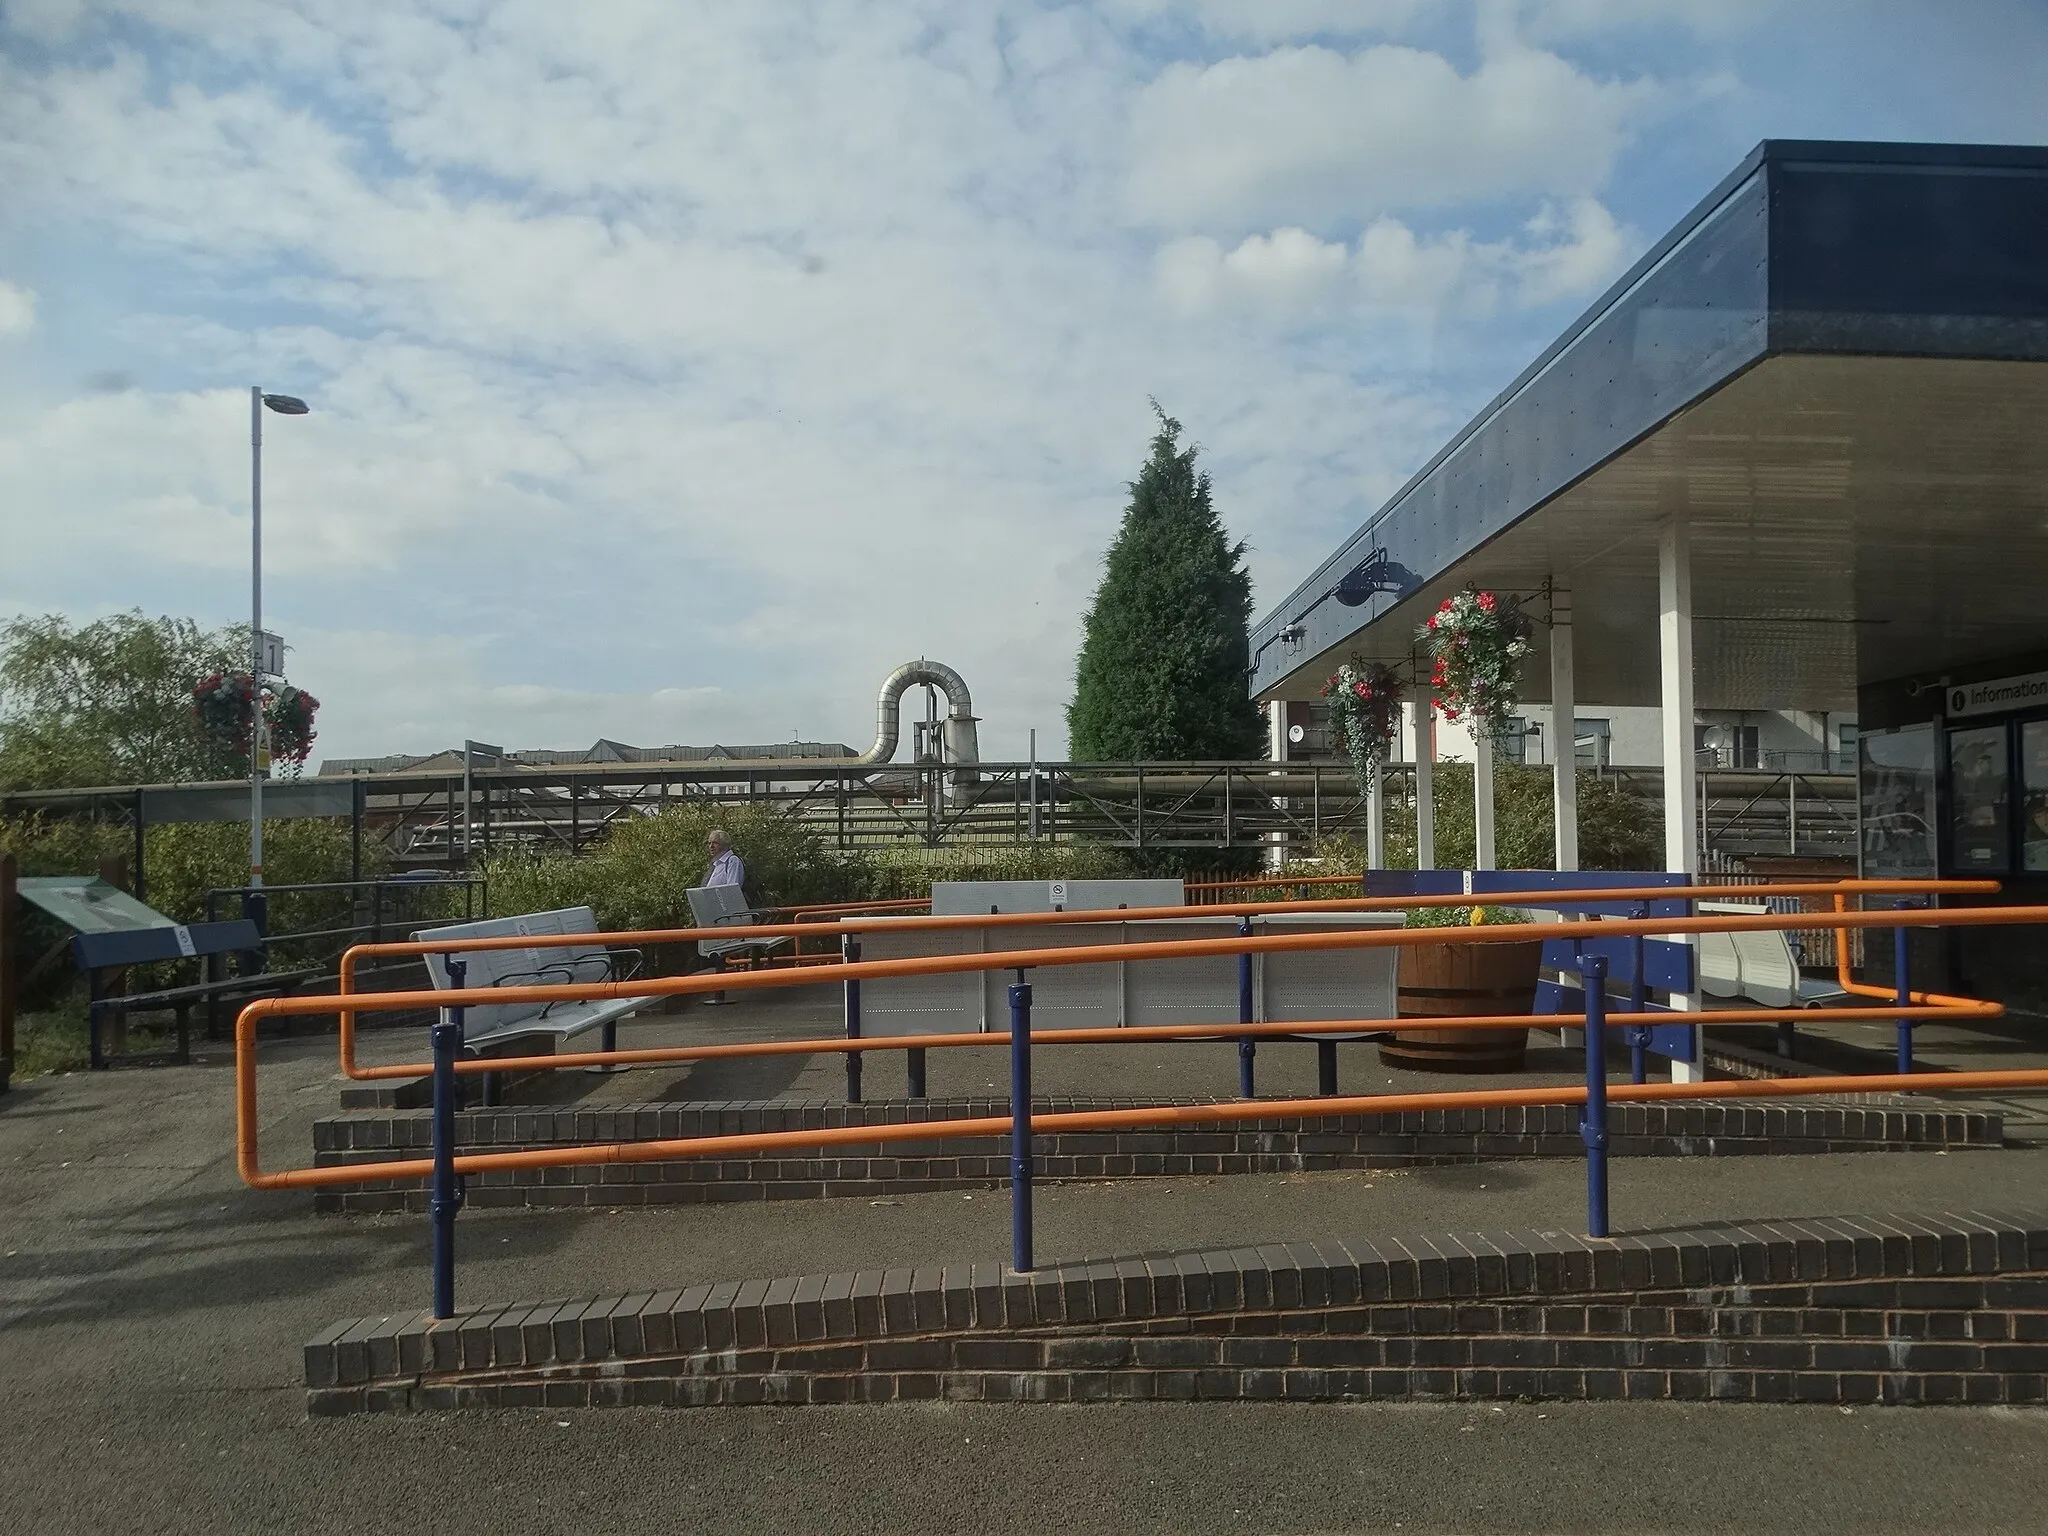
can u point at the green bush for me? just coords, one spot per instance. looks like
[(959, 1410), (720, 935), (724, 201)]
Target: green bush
[(638, 878)]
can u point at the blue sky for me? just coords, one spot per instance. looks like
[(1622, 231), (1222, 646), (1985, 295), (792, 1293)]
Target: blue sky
[(679, 369)]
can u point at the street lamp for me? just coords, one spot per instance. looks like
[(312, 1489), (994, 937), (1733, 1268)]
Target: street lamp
[(284, 405)]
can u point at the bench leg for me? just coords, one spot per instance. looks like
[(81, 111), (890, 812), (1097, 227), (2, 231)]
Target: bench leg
[(916, 1059), (184, 1034), (95, 1055), (1787, 1033), (1326, 1068)]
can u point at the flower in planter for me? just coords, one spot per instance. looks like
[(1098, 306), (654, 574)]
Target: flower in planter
[(1365, 712)]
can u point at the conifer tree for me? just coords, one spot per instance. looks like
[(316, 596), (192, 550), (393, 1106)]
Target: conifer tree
[(1166, 651)]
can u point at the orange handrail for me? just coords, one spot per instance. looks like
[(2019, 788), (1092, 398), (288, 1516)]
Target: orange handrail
[(1124, 1034), (1109, 1120), (446, 1164), (1865, 989), (837, 908), (1076, 955), (1106, 915)]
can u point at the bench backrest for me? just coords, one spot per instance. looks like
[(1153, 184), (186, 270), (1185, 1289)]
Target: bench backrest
[(500, 967), (140, 946), (1756, 965), (711, 905)]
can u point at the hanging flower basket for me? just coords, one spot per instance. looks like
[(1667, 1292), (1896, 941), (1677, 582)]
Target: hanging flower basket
[(289, 713), (1476, 642), (1365, 712), (221, 705)]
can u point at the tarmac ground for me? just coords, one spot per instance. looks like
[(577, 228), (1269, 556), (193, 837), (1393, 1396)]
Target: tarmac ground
[(152, 1309)]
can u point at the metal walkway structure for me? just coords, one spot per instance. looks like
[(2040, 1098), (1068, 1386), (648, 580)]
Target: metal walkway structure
[(419, 819)]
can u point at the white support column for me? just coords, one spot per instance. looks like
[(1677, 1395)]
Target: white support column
[(1674, 635), (1376, 820), (1276, 752), (1681, 762), (1425, 788), (1483, 856), (1564, 731)]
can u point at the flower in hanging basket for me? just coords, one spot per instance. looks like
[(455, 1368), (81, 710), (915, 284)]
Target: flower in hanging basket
[(1476, 642), (221, 706), (1365, 712), (289, 713)]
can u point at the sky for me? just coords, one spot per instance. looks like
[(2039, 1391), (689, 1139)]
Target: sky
[(678, 369)]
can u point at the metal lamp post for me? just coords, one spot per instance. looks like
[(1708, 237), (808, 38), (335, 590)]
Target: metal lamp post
[(284, 405)]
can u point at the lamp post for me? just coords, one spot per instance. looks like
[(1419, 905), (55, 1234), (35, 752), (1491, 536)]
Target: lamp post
[(284, 405)]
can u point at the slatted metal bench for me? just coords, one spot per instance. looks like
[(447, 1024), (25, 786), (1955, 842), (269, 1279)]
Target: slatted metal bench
[(492, 1029), (1760, 968), (725, 906)]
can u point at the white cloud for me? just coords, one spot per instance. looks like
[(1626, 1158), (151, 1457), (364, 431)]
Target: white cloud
[(1264, 22), (1560, 254), (17, 309), (1557, 20), (678, 370), (1325, 140)]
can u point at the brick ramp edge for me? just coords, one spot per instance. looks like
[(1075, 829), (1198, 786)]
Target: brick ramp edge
[(1946, 1307), (1280, 1145)]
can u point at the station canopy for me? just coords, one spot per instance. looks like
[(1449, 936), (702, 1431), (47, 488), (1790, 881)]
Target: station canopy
[(1835, 369)]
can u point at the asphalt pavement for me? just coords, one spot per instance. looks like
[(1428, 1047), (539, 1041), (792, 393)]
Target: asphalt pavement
[(152, 1309)]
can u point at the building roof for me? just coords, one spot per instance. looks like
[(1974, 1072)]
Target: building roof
[(602, 751), (1835, 366)]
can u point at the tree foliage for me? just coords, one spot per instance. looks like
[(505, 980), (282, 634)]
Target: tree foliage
[(1166, 648), (108, 702)]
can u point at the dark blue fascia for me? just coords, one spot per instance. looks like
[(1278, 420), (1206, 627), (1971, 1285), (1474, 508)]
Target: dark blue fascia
[(1805, 246), (1910, 250)]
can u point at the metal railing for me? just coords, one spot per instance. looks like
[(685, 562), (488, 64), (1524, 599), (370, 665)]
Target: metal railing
[(420, 819), (1899, 1007)]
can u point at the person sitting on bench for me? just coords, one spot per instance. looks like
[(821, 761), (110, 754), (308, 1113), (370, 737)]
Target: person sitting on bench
[(726, 868)]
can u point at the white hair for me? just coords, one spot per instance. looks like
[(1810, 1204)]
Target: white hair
[(719, 836)]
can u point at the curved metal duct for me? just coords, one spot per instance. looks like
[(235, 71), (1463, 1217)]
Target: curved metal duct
[(961, 745)]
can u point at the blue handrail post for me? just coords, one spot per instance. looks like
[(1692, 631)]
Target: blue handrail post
[(446, 1196), (849, 952), (1593, 1121), (1903, 990), (1247, 1048), (1638, 1003), (1020, 1124)]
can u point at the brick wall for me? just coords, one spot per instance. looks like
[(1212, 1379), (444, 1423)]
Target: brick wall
[(1943, 1308), (1690, 1128)]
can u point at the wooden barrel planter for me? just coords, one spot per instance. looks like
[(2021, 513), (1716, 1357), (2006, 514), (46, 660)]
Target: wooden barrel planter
[(1444, 980)]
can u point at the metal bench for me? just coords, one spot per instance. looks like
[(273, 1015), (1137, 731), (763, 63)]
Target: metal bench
[(1761, 968), (494, 1028), (725, 906)]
